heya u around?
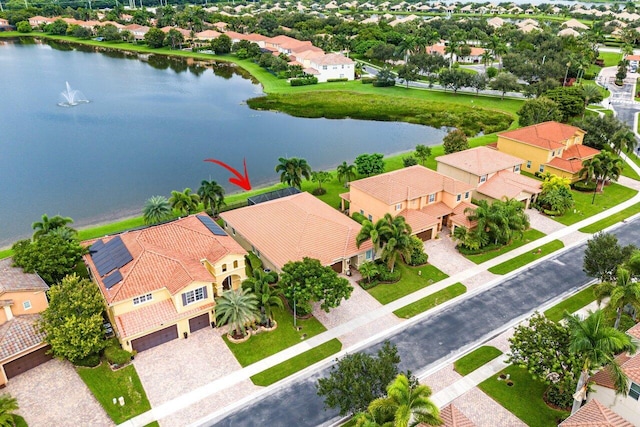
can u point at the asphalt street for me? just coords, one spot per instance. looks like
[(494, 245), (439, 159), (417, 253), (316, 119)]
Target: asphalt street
[(437, 336)]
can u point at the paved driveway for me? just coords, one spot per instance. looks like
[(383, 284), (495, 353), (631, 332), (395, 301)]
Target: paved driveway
[(56, 396)]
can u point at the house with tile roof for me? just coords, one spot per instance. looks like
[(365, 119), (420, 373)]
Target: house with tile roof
[(451, 416), (494, 175), (426, 199), (297, 226), (548, 147), (22, 297), (595, 414), (159, 283)]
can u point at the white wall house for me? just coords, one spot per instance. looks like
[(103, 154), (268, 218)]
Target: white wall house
[(332, 66)]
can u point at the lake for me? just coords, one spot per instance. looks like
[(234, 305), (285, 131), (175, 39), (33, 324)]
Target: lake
[(146, 131)]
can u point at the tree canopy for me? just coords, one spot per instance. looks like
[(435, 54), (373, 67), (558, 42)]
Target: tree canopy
[(370, 164), (604, 255), (51, 256)]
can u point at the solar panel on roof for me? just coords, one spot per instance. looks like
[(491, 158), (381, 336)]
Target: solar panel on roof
[(112, 279), (211, 225), (272, 195), (109, 256)]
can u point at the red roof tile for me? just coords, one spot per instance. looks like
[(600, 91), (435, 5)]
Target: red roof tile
[(453, 417), (547, 135), (19, 334), (594, 414), (508, 184), (418, 220), (480, 160), (14, 279)]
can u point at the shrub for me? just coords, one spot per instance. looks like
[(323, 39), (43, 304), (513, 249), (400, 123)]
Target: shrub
[(368, 80), (24, 27), (492, 72), (584, 186), (344, 79), (304, 82), (409, 161), (384, 83), (117, 356), (358, 217), (418, 255), (385, 275), (90, 361)]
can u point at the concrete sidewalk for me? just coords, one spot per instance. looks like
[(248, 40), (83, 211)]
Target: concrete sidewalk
[(174, 405)]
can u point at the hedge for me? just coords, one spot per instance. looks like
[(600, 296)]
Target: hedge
[(384, 83), (344, 79), (584, 186), (368, 80), (304, 82), (358, 217), (117, 356)]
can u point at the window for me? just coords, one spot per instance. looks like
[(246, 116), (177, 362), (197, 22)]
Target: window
[(466, 195), (370, 217), (235, 264), (233, 231), (369, 254), (142, 298), (195, 295), (26, 305), (432, 198), (343, 67), (324, 67), (361, 211), (553, 153), (541, 168), (634, 392), (224, 267), (399, 206), (459, 197), (528, 164), (483, 178), (516, 168)]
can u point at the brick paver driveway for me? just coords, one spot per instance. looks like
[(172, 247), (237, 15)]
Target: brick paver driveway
[(53, 394)]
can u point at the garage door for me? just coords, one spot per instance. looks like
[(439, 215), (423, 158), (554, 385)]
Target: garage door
[(199, 322), (159, 337), (337, 267), (425, 235), (27, 362)]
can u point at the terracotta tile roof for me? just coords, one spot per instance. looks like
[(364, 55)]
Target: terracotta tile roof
[(634, 331), (311, 71), (418, 220), (166, 256), (572, 166), (207, 34), (14, 279), (436, 48), (331, 59), (437, 210), (547, 135), (346, 196), (297, 226), (508, 184), (153, 316), (19, 334), (579, 151), (480, 160), (254, 37), (308, 54), (408, 184), (453, 417), (459, 217), (594, 414), (603, 377)]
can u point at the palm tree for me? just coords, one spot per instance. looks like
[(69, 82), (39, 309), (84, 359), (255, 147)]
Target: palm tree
[(238, 308), (623, 293), (488, 220), (604, 166), (368, 270), (408, 402), (624, 139), (212, 196), (48, 224), (597, 344), (398, 242), (590, 93), (156, 209), (292, 171), (516, 221), (346, 172), (184, 202), (377, 232), (8, 405), (267, 296)]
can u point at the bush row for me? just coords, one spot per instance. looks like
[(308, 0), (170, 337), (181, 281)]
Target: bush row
[(304, 82)]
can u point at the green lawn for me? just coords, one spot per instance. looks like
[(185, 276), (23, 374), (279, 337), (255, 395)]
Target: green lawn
[(610, 58), (526, 258), (524, 398), (611, 220), (571, 304), (478, 357), (528, 236), (297, 363), (106, 384), (629, 172), (431, 301), (266, 344), (408, 284), (613, 195)]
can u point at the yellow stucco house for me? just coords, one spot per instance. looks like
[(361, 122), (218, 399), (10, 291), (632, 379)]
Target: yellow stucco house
[(494, 175), (159, 283), (22, 297), (548, 147), (426, 199)]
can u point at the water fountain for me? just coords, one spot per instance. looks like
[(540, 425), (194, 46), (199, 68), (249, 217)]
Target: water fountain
[(72, 97)]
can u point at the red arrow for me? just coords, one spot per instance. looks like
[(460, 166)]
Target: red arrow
[(241, 181)]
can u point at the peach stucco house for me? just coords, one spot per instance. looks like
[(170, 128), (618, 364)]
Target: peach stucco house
[(22, 297), (159, 283), (494, 175), (428, 200), (548, 147), (297, 226)]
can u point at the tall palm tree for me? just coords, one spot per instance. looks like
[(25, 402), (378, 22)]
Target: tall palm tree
[(624, 292), (48, 224), (516, 221), (266, 295), (292, 170), (378, 232), (408, 403), (603, 167), (346, 172), (212, 196), (624, 139), (156, 209), (238, 308), (398, 242), (596, 344), (8, 405), (184, 202), (590, 93)]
